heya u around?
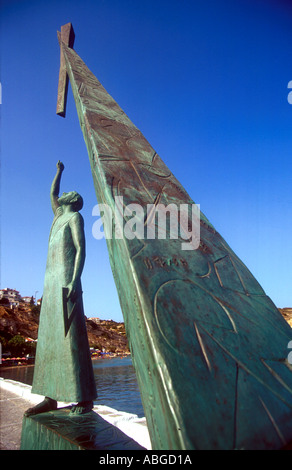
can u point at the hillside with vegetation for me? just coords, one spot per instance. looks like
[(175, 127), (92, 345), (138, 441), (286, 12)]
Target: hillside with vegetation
[(287, 314), (19, 330)]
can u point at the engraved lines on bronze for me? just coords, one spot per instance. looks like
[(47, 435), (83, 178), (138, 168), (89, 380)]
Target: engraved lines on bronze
[(248, 371), (201, 325), (155, 203), (136, 245), (78, 67), (102, 142), (92, 94), (207, 226), (224, 265), (276, 376), (117, 136), (117, 190), (193, 318), (273, 421), (161, 262), (155, 169), (203, 349), (207, 275)]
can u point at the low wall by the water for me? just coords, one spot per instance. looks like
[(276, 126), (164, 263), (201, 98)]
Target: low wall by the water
[(129, 424)]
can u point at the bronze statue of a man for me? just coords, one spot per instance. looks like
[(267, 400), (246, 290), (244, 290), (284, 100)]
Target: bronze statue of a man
[(63, 368)]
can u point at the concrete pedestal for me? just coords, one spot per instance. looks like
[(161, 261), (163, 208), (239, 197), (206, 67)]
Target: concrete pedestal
[(57, 430)]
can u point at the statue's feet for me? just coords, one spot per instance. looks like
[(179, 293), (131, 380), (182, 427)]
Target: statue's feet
[(81, 408), (48, 404)]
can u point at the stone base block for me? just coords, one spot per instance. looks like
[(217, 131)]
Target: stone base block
[(57, 430)]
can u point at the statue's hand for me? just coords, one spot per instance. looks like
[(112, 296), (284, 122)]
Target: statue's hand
[(72, 291), (60, 166)]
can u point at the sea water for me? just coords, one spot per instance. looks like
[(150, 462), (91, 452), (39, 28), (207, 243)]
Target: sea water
[(115, 380)]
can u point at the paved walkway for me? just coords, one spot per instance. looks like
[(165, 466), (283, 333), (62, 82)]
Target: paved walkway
[(12, 408), (16, 398)]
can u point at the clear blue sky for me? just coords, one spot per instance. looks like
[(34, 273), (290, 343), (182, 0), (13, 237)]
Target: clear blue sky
[(206, 83)]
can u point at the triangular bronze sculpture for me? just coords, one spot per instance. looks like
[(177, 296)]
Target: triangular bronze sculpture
[(209, 347)]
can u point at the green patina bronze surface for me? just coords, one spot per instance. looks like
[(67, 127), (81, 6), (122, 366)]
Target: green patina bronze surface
[(68, 38), (208, 345), (57, 430), (63, 368)]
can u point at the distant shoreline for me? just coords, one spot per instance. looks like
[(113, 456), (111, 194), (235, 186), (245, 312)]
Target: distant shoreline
[(93, 358)]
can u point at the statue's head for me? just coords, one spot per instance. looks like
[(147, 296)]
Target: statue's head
[(72, 198)]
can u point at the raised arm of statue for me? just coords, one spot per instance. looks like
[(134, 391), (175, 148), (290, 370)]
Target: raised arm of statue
[(55, 188)]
